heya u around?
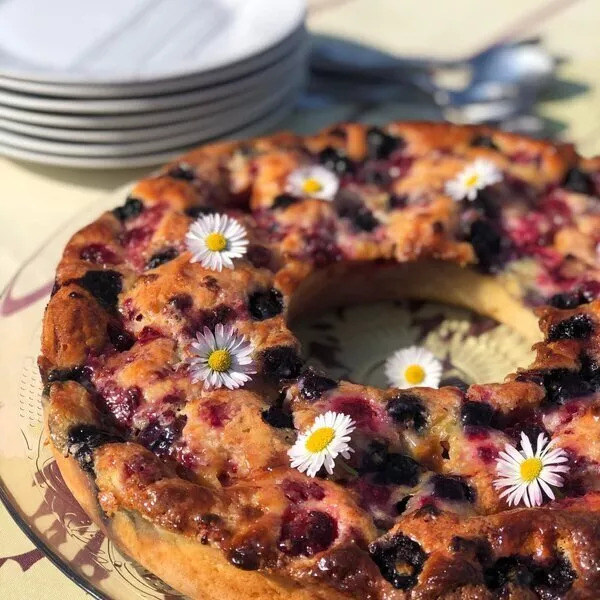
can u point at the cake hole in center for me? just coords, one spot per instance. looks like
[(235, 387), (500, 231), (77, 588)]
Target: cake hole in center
[(354, 342)]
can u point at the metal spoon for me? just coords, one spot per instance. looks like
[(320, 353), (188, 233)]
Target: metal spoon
[(324, 92), (513, 61), (523, 64), (497, 73)]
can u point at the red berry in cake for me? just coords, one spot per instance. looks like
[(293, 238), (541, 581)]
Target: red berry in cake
[(321, 248), (305, 533), (359, 409), (121, 402), (149, 334), (298, 492), (98, 254)]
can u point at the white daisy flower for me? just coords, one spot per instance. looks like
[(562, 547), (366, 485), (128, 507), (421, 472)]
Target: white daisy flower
[(321, 443), (472, 179), (214, 240), (527, 475), (314, 182), (413, 366), (221, 359)]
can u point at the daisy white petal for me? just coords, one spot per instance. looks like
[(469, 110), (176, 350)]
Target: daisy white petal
[(535, 493), (516, 456), (413, 366), (556, 456), (546, 489), (321, 443), (526, 446), (214, 240), (517, 494), (221, 358), (312, 182), (472, 179), (527, 475), (543, 445)]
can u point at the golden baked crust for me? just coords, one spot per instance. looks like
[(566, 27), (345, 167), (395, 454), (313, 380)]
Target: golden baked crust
[(196, 484)]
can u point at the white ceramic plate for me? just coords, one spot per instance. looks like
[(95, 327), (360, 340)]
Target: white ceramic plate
[(161, 86), (259, 127), (230, 108), (263, 78), (144, 119), (120, 41), (195, 131)]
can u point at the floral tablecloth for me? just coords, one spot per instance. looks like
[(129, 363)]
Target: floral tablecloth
[(36, 200)]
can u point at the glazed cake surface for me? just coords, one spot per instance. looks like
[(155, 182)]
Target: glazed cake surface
[(196, 484)]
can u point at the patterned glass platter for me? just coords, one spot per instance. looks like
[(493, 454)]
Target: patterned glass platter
[(351, 342)]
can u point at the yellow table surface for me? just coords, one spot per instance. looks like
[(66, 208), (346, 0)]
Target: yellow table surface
[(36, 199)]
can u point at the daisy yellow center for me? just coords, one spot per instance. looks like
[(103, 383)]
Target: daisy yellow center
[(414, 374), (320, 439), (472, 180), (311, 186), (531, 469), (216, 242), (219, 360)]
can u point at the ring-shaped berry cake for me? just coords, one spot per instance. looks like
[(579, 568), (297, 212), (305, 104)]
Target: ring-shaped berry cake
[(184, 419)]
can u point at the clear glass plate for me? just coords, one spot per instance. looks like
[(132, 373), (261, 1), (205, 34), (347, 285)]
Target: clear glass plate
[(350, 342)]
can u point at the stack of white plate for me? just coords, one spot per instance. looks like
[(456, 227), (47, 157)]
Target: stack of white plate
[(122, 83)]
